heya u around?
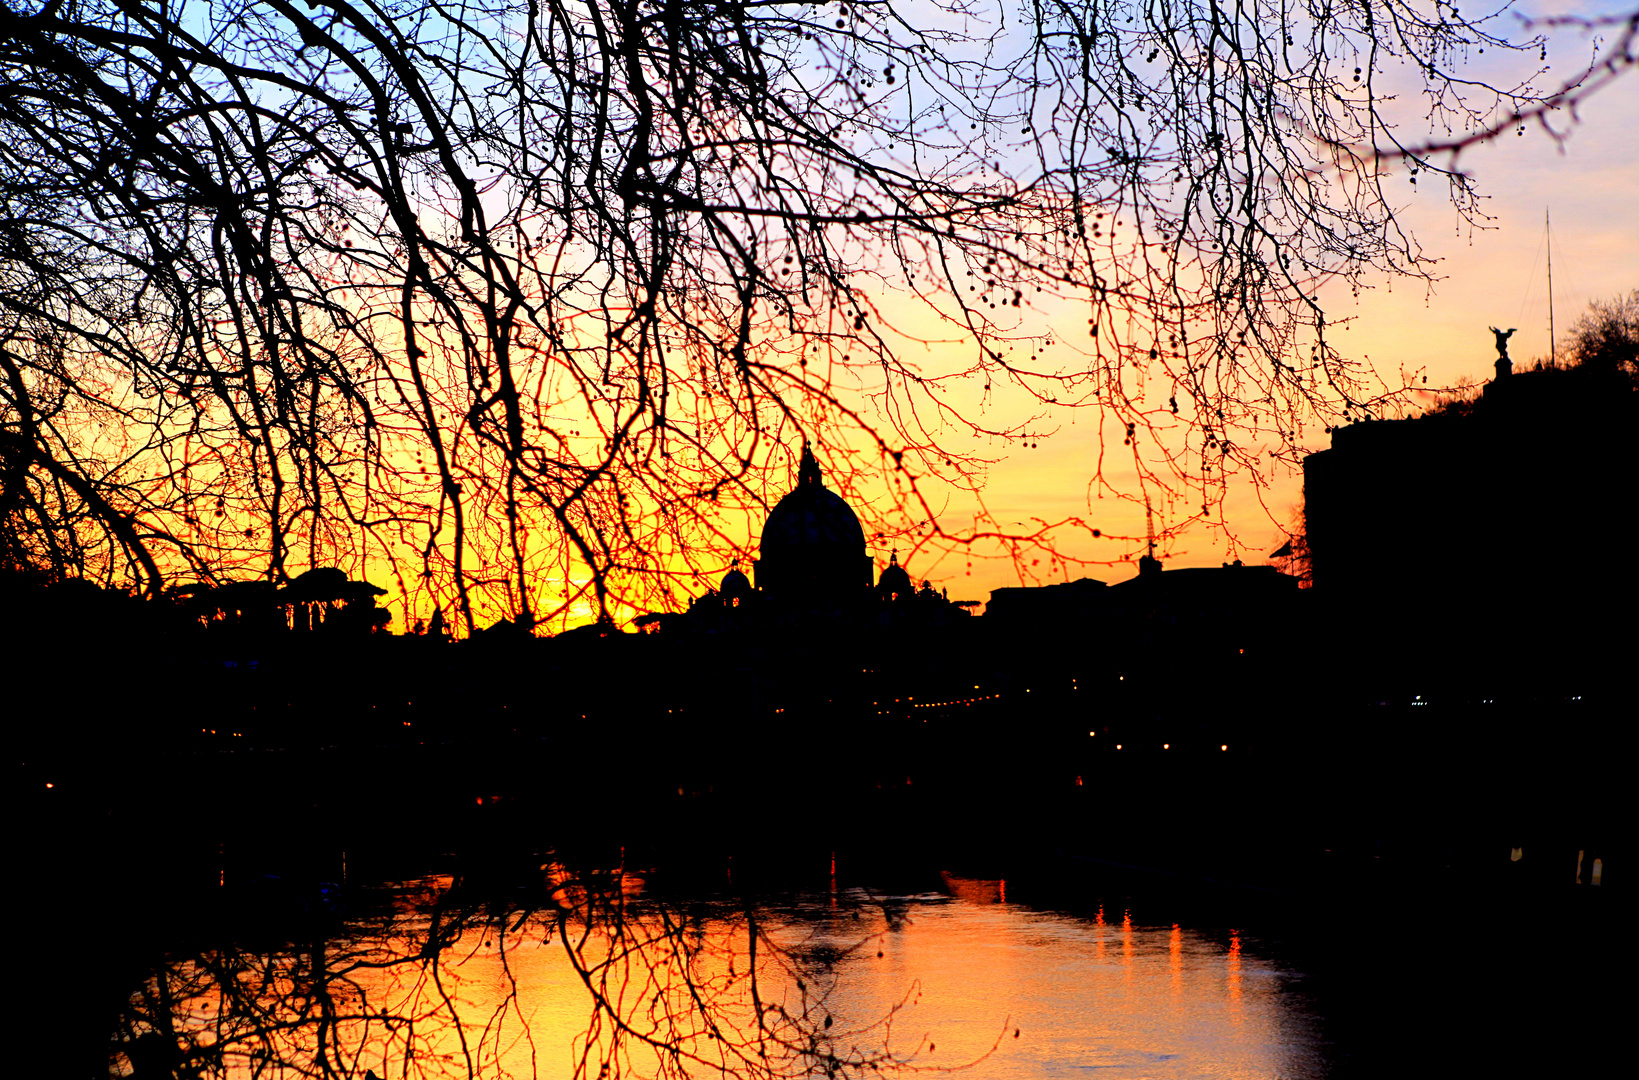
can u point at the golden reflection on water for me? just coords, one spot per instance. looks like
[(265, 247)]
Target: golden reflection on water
[(1175, 958), (977, 973), (900, 981)]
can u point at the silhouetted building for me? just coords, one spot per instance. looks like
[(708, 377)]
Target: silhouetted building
[(1203, 606), (1485, 526), (1064, 604), (813, 572), (1206, 608)]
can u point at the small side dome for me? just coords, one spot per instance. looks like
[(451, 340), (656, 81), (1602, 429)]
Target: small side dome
[(895, 583), (735, 584)]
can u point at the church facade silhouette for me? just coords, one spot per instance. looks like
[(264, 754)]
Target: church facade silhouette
[(813, 567)]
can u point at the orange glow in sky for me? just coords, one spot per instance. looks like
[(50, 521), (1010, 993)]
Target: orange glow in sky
[(1588, 182)]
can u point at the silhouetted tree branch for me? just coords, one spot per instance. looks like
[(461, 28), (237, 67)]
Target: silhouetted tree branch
[(530, 303)]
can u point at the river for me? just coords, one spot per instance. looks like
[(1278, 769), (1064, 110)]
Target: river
[(1036, 959), (848, 981)]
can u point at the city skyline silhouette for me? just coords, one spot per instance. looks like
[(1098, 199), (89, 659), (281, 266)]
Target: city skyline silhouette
[(690, 539)]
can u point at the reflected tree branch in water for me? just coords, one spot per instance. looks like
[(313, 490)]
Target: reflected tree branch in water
[(434, 989)]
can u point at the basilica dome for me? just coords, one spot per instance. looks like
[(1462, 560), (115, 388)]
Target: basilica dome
[(812, 540)]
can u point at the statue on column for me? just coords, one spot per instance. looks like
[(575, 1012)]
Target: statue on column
[(1505, 366)]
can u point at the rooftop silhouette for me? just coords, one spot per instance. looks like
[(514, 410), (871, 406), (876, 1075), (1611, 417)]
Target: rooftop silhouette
[(1493, 523)]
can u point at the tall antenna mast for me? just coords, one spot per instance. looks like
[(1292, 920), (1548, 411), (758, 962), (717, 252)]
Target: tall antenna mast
[(1547, 228), (1149, 525)]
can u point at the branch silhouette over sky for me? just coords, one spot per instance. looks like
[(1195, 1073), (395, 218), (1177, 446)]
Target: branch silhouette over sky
[(530, 310)]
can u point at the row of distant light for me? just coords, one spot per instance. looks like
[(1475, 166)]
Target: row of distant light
[(938, 704), (956, 701), (1164, 746)]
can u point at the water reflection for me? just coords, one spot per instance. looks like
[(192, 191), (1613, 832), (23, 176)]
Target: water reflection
[(1178, 1003), (846, 982)]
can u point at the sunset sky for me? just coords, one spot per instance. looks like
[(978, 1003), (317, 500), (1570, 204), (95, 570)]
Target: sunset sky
[(1490, 273), (1590, 184)]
